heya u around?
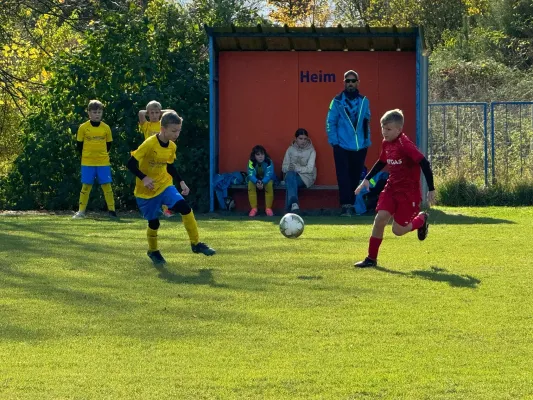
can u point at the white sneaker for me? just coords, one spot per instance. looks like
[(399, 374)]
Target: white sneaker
[(79, 214), (295, 207)]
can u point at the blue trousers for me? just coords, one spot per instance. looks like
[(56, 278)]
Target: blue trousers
[(292, 183)]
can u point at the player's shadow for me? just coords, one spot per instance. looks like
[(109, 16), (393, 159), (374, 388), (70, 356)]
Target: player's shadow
[(310, 277), (204, 277), (331, 217), (438, 275), (120, 220), (441, 217)]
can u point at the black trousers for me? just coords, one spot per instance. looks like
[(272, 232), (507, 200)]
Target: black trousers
[(348, 166)]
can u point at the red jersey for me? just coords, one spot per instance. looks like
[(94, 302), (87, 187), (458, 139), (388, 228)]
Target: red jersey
[(403, 158)]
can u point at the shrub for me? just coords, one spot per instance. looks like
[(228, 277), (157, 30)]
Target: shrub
[(125, 61), (460, 192)]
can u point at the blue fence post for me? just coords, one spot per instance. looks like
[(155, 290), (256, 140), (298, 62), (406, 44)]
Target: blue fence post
[(485, 111), (430, 136), (444, 125), (493, 151), (458, 132), (507, 124), (212, 123), (520, 151), (507, 141)]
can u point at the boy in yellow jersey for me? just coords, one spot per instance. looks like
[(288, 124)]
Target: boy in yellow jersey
[(151, 126), (153, 164), (94, 142)]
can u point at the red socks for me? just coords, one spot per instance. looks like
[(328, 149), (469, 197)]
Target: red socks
[(418, 221), (374, 242), (373, 247)]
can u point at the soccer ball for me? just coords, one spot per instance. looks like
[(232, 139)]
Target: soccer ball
[(291, 226)]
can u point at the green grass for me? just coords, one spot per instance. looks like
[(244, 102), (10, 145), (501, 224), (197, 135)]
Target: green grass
[(85, 315)]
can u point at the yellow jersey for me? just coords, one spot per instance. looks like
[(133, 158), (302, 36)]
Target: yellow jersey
[(150, 128), (153, 159), (94, 140)]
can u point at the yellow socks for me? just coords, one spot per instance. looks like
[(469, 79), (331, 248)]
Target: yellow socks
[(269, 194), (151, 234), (252, 195), (84, 196), (86, 191), (191, 227), (108, 194)]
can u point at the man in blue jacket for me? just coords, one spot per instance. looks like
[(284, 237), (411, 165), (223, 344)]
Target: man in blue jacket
[(348, 128)]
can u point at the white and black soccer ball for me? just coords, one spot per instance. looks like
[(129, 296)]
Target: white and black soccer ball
[(291, 225)]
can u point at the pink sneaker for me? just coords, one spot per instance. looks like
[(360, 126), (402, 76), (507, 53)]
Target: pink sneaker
[(269, 212), (253, 212)]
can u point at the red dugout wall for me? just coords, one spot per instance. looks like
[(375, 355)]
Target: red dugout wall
[(265, 96)]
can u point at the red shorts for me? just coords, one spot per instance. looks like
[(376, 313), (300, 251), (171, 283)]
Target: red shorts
[(402, 207)]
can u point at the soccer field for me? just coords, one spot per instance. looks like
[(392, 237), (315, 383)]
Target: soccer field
[(85, 315)]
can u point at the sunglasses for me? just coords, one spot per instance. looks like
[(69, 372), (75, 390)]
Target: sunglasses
[(351, 80)]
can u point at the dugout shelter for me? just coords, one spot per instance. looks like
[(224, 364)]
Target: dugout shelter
[(265, 82)]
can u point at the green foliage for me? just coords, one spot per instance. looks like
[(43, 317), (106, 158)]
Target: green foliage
[(125, 61), (225, 12), (478, 80), (482, 60), (478, 65), (435, 16), (10, 119), (517, 18), (461, 192), (26, 42), (300, 12)]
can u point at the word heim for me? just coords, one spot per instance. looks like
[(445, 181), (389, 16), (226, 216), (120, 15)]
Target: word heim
[(307, 77)]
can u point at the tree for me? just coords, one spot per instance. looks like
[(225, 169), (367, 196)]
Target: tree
[(517, 18), (226, 12), (352, 12), (125, 59), (300, 12), (31, 33), (435, 15), (26, 46), (35, 27), (482, 61)]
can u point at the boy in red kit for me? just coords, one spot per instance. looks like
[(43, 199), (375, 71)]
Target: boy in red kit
[(401, 196)]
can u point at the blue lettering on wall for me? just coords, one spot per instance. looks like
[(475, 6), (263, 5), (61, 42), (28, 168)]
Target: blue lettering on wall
[(320, 77)]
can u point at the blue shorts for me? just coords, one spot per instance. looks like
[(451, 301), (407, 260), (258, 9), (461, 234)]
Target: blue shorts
[(89, 174), (151, 208)]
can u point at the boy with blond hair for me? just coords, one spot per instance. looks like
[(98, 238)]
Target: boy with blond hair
[(152, 125), (401, 196), (94, 142), (153, 165)]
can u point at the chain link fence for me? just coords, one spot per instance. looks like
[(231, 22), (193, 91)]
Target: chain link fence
[(482, 142), (511, 141)]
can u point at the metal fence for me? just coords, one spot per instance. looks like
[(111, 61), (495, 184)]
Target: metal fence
[(484, 142), (512, 140)]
